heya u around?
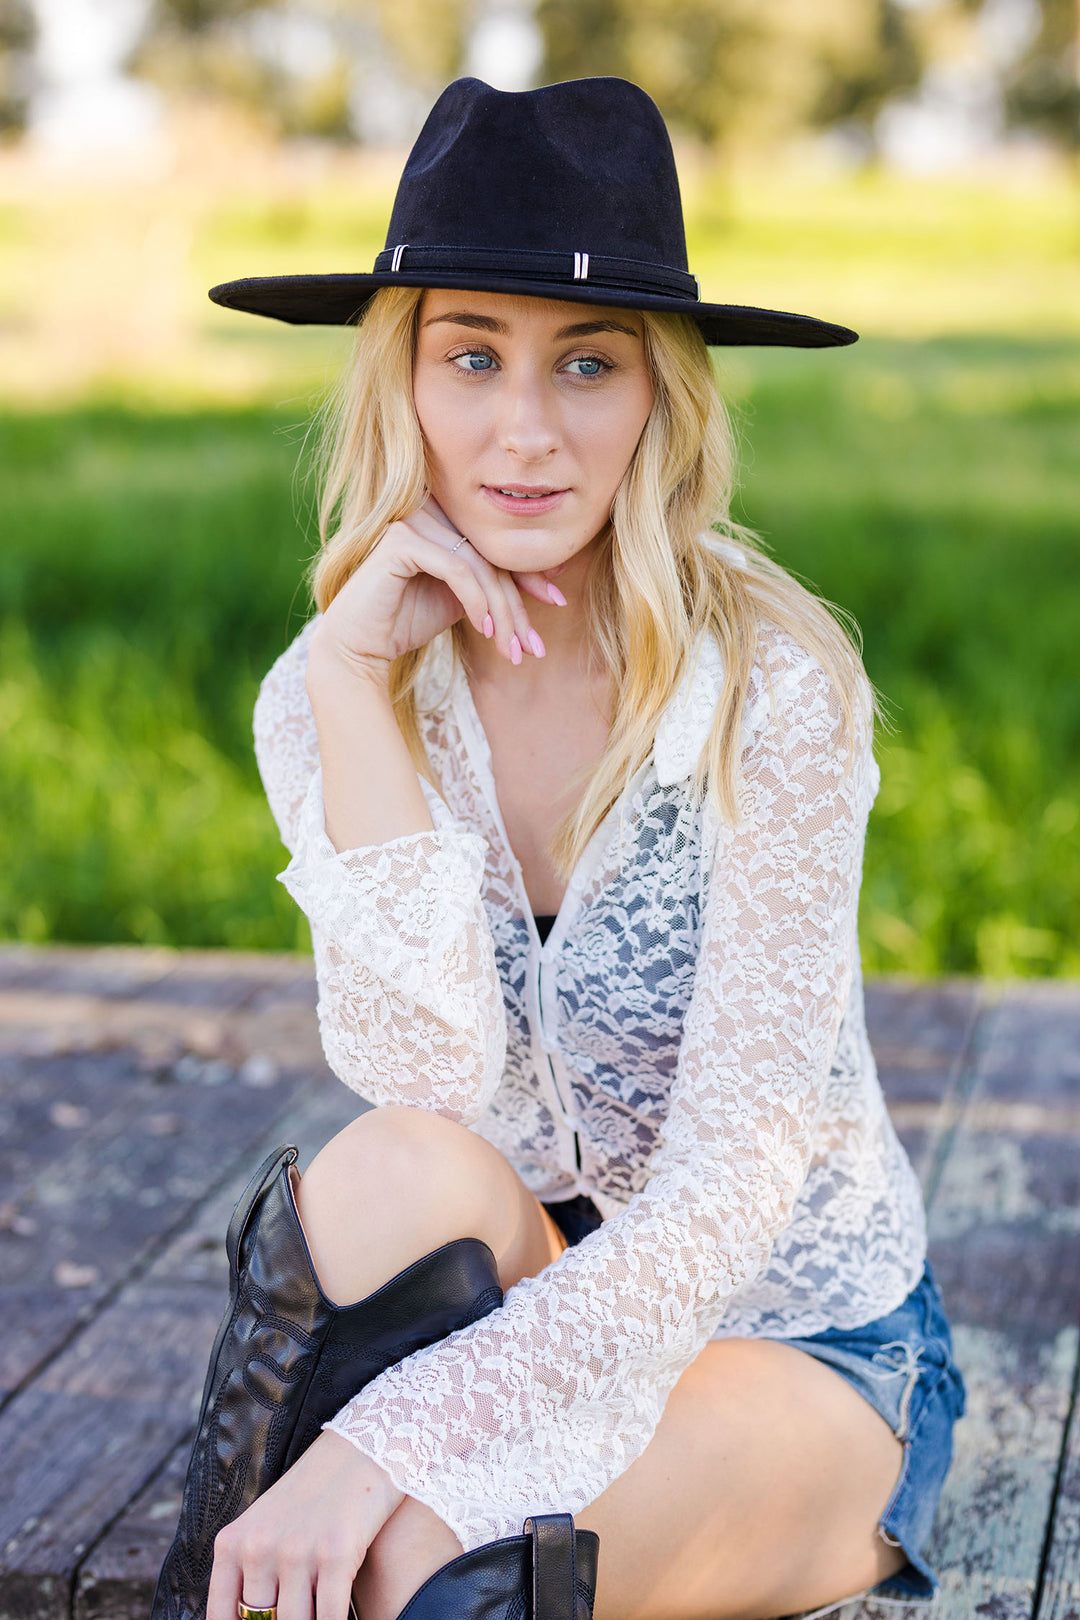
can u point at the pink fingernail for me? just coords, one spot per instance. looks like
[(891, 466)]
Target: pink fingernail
[(515, 650), (556, 595), (488, 626), (536, 644)]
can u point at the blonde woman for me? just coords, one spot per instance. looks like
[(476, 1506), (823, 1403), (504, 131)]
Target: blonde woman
[(576, 784)]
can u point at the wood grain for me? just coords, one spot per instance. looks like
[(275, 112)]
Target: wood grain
[(135, 1176), (97, 1424), (1005, 1244)]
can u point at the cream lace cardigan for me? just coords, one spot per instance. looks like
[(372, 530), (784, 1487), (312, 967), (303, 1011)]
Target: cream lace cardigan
[(688, 1047)]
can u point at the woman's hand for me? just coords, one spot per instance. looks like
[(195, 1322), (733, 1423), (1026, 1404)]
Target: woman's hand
[(411, 586), (301, 1543)]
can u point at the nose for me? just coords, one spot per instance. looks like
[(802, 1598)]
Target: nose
[(528, 416)]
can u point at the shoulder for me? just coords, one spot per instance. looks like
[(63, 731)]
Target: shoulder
[(789, 698), (792, 696)]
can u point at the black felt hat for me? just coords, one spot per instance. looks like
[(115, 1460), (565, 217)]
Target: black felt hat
[(567, 192)]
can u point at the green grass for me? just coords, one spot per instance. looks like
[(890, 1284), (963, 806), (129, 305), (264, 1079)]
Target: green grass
[(931, 489), (150, 575)]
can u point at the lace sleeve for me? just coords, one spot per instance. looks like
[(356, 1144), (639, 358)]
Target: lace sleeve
[(410, 1006), (538, 1407), (286, 743)]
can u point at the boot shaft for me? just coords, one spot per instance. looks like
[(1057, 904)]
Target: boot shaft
[(286, 1359), (547, 1573)]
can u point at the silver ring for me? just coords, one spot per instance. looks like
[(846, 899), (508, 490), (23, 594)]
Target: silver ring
[(459, 545)]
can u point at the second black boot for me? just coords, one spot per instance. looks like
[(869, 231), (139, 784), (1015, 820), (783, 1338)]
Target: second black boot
[(286, 1359), (547, 1573)]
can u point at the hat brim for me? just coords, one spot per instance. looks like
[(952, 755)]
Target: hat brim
[(340, 300)]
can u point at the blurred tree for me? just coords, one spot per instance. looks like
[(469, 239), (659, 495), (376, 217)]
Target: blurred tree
[(1042, 91), (736, 72), (300, 66), (427, 36), (17, 34)]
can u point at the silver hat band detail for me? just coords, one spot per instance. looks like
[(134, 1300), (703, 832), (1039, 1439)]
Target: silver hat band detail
[(524, 264)]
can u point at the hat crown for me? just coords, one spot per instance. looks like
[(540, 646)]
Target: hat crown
[(584, 166)]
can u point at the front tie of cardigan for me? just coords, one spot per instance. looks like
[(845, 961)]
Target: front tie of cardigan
[(688, 1047)]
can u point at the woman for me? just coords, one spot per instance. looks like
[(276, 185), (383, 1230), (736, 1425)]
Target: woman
[(576, 785)]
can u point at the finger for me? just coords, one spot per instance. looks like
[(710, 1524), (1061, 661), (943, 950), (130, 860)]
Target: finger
[(333, 1591), (225, 1585), (502, 615), (542, 588), (432, 521), (258, 1584), (296, 1593), (498, 616), (432, 506), (527, 636), (429, 557)]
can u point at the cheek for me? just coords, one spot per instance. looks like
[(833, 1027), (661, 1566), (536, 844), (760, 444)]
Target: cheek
[(609, 440), (450, 428)]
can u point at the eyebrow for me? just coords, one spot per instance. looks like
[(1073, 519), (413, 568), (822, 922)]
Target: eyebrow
[(488, 323)]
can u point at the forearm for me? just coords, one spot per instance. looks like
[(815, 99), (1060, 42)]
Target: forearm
[(371, 791)]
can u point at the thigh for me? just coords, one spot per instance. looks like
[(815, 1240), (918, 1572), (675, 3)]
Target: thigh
[(759, 1495)]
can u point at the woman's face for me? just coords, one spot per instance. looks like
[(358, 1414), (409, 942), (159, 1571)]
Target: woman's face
[(531, 410)]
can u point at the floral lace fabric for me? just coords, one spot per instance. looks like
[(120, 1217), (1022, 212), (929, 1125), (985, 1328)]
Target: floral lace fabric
[(688, 1047)]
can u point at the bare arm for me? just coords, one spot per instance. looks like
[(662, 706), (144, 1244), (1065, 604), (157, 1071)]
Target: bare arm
[(371, 790), (408, 590)]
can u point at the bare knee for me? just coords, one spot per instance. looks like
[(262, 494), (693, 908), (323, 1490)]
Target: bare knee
[(393, 1185), (398, 1152)]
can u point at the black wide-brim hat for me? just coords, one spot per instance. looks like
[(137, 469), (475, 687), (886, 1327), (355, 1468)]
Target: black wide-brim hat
[(565, 192)]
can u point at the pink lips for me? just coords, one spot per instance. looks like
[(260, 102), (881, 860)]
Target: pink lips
[(524, 500)]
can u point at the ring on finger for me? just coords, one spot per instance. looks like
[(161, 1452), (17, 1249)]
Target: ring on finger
[(459, 545), (266, 1611)]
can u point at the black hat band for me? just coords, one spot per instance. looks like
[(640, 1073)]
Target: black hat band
[(613, 275)]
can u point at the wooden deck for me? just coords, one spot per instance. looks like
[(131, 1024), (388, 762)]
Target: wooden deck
[(138, 1088)]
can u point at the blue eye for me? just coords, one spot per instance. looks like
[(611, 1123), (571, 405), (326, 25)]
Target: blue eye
[(475, 360), (593, 366)]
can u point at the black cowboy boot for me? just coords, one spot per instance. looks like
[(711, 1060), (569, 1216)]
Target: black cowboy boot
[(285, 1360), (547, 1573)]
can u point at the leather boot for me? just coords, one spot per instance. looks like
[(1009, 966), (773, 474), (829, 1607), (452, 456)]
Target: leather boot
[(285, 1360), (546, 1573)]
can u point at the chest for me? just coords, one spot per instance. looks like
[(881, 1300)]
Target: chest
[(542, 755)]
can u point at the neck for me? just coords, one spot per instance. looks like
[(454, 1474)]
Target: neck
[(563, 630)]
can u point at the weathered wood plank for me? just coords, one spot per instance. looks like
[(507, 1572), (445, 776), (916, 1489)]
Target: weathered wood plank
[(126, 971), (1004, 1240), (118, 970), (1060, 1598), (1005, 1243), (96, 1425), (920, 1035), (116, 1579), (89, 1198), (101, 1149), (1054, 1010)]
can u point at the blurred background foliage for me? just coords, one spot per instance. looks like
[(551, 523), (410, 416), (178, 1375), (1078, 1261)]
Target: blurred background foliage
[(908, 168)]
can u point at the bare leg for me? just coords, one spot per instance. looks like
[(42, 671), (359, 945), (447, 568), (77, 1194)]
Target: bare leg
[(396, 1184), (759, 1496), (762, 1488)]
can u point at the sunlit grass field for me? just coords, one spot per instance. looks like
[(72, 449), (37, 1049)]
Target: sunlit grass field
[(155, 531)]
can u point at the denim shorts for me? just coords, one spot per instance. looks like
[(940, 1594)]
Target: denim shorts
[(903, 1365)]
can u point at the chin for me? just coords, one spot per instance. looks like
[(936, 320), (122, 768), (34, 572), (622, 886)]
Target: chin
[(519, 549), (515, 548)]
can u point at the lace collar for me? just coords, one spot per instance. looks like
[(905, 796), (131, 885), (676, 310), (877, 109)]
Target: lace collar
[(684, 725)]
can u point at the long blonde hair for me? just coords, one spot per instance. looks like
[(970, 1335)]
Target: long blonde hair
[(658, 584)]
